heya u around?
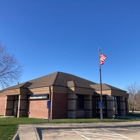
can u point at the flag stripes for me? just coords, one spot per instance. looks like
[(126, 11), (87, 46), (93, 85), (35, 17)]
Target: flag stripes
[(102, 58)]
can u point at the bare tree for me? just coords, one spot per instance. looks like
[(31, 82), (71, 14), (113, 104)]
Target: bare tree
[(134, 96), (10, 69), (137, 100)]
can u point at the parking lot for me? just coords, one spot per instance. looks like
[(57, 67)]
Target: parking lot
[(80, 131), (129, 133)]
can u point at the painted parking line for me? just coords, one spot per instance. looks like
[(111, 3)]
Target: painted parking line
[(80, 134), (116, 134), (99, 134)]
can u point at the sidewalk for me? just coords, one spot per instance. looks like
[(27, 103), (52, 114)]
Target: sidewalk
[(31, 132)]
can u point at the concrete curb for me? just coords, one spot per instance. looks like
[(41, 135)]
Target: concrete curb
[(80, 127), (37, 135), (16, 137)]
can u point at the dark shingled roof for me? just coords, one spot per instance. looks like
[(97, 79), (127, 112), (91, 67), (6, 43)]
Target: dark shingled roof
[(56, 79), (105, 87), (63, 78)]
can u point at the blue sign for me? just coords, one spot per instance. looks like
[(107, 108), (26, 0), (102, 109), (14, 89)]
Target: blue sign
[(48, 104), (100, 104)]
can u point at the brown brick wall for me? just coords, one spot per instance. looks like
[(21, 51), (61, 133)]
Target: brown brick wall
[(38, 109), (60, 105), (23, 106), (2, 104)]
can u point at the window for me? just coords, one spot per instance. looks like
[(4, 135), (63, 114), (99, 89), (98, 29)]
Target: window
[(80, 101), (15, 106), (116, 105), (104, 105)]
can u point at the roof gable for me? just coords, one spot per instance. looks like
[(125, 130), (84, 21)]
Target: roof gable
[(63, 78)]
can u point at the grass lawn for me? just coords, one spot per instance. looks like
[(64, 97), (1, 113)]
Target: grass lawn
[(9, 126)]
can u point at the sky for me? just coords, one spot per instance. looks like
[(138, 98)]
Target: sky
[(47, 36)]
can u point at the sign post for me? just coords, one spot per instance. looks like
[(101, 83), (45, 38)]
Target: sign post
[(48, 106)]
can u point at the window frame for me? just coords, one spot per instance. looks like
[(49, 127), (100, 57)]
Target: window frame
[(80, 102)]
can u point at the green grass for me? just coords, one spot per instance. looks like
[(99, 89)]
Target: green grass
[(9, 126), (7, 131), (91, 120)]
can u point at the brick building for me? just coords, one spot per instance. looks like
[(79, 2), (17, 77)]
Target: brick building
[(70, 96)]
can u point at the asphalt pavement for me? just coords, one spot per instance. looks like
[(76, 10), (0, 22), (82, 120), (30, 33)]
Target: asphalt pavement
[(34, 132)]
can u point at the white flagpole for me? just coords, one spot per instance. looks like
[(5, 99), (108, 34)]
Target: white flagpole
[(101, 110)]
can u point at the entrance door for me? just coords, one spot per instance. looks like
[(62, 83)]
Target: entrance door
[(104, 106), (15, 106)]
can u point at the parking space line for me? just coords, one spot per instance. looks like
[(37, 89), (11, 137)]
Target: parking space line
[(116, 133), (80, 134)]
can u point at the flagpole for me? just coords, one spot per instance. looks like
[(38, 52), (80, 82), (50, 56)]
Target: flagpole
[(101, 110)]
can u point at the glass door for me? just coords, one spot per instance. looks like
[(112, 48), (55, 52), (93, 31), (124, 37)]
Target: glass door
[(15, 106)]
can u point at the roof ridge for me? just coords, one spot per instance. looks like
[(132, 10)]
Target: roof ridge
[(57, 73), (78, 77), (114, 87)]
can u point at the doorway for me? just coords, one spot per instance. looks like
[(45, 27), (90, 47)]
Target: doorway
[(15, 105)]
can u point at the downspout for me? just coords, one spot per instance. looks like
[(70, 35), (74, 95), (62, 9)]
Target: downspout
[(51, 101)]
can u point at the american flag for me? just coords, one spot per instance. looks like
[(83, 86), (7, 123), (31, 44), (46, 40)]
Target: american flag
[(102, 58)]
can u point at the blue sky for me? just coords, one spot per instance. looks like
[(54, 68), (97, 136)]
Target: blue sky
[(64, 35)]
